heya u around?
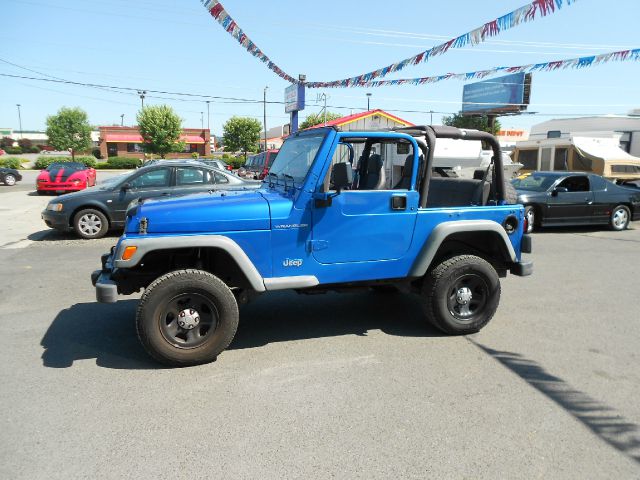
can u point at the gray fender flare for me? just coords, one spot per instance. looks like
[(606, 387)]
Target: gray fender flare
[(446, 229), (149, 244)]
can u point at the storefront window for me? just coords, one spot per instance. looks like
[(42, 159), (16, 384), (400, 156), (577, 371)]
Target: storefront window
[(134, 148), (560, 159), (528, 159)]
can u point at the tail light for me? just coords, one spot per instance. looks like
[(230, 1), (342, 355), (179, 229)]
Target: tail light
[(264, 173)]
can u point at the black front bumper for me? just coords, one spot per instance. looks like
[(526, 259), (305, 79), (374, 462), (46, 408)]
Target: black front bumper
[(106, 287), (57, 220)]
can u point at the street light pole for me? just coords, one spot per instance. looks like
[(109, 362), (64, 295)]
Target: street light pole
[(122, 120), (208, 117), (431, 112), (264, 115), (368, 98), (142, 93), (19, 119), (202, 120)]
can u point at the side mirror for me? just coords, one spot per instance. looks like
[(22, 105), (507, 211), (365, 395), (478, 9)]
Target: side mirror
[(558, 190), (125, 186), (342, 175)]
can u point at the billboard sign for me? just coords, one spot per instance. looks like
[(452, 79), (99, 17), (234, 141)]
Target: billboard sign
[(294, 98), (508, 94)]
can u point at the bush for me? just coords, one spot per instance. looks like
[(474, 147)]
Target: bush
[(235, 162), (195, 155), (25, 144), (125, 163), (32, 149), (44, 162), (11, 162), (13, 150)]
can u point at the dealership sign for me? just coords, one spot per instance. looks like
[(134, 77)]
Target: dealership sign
[(508, 94), (294, 98)]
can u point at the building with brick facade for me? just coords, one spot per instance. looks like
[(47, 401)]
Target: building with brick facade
[(127, 142)]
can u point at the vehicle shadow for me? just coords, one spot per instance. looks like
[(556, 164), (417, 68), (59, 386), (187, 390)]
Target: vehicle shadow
[(107, 332), (53, 235), (94, 330), (603, 421), (286, 316)]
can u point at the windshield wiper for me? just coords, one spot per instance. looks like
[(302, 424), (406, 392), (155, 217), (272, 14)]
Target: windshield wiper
[(288, 177), (274, 175)]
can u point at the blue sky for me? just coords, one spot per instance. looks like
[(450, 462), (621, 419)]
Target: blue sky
[(177, 47)]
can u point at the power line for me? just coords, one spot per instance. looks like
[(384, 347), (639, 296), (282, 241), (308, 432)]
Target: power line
[(232, 100)]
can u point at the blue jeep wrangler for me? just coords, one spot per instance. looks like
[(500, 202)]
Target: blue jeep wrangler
[(339, 210)]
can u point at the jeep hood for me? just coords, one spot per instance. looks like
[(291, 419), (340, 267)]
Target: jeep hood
[(202, 213)]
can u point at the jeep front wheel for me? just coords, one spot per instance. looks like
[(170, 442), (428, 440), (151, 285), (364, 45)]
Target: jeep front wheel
[(187, 317), (461, 294)]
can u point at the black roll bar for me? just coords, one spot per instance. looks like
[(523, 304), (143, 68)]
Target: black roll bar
[(433, 132)]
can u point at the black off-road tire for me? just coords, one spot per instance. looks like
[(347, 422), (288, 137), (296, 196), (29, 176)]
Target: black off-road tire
[(446, 283), (90, 223), (510, 193), (194, 290), (620, 218)]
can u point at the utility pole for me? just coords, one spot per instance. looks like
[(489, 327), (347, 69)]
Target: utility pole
[(208, 118), (202, 120), (431, 112), (122, 120), (368, 98), (142, 93), (19, 119), (324, 96), (264, 115)]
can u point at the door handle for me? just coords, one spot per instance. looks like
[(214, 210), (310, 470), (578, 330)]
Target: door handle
[(398, 202)]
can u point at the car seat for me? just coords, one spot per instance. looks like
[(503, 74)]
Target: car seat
[(372, 173)]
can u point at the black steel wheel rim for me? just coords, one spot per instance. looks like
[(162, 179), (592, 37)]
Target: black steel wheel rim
[(468, 310), (190, 336)]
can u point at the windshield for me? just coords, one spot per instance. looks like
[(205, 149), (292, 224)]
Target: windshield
[(533, 182), (296, 156), (112, 181), (66, 166)]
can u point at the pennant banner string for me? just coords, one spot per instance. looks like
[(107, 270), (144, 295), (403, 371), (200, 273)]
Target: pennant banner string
[(580, 62), (526, 13)]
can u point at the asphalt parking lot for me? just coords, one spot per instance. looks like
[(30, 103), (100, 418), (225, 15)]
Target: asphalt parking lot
[(345, 386)]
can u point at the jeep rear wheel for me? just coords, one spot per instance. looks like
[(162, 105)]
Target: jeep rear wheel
[(187, 317), (461, 294)]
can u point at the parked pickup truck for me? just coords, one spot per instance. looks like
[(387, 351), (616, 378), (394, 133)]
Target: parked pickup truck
[(327, 217)]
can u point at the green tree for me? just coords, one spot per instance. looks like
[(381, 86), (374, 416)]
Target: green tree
[(69, 129), (472, 122), (241, 134), (160, 128), (314, 119)]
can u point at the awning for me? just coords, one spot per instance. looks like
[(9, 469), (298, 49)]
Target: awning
[(607, 149), (135, 138), (123, 137), (192, 139)]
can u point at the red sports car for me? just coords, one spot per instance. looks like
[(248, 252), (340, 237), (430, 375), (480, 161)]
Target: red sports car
[(65, 177)]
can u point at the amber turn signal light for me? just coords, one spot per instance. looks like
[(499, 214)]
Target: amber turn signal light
[(128, 252)]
